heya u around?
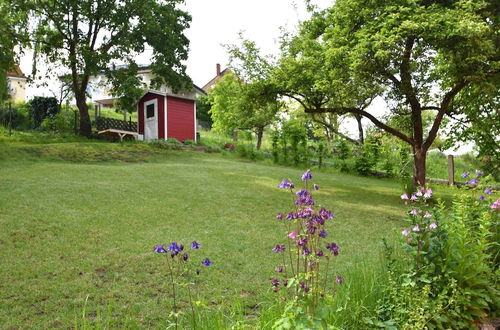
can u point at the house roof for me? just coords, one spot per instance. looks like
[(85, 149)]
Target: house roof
[(215, 79), (16, 72)]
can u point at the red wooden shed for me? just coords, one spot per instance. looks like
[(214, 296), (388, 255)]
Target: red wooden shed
[(163, 115)]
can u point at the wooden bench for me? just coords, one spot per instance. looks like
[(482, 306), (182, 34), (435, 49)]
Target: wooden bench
[(111, 132)]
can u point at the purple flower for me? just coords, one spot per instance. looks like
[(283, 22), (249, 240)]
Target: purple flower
[(279, 248), (325, 214), (302, 193), (413, 198), (416, 228), (306, 176), (279, 216), (316, 187), (320, 253), (302, 241), (279, 269), (427, 215), (433, 225), (404, 196), (185, 256), (159, 249), (334, 248), (275, 282), (305, 251), (304, 287), (414, 212), (290, 216), (323, 234), (495, 205), (479, 173), (206, 262), (195, 245), (405, 232), (286, 184), (339, 279), (488, 191), (473, 181), (311, 230), (465, 175), (176, 248), (419, 193), (481, 198), (307, 200)]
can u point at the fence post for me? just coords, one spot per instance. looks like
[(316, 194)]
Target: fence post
[(451, 170), (10, 119)]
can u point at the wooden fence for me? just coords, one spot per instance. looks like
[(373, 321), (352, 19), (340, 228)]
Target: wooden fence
[(103, 123)]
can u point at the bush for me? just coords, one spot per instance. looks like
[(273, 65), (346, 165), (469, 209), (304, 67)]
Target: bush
[(60, 123), (168, 144), (20, 116), (447, 278), (41, 108), (189, 142)]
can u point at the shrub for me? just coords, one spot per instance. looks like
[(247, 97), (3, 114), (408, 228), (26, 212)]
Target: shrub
[(41, 108), (169, 144), (20, 116), (189, 142), (59, 123), (446, 278)]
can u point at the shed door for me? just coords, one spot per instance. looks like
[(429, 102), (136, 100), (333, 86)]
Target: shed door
[(151, 120)]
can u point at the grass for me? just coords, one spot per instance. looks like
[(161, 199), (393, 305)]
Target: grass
[(79, 220)]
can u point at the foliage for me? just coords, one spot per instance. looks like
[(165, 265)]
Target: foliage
[(20, 115), (42, 108), (169, 144), (304, 279), (60, 123), (203, 112), (126, 86), (369, 155), (346, 55), (87, 36), (448, 276)]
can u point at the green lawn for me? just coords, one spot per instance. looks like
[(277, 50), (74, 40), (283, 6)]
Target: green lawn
[(78, 228)]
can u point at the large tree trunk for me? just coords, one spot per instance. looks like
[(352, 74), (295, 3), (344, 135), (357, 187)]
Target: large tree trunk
[(419, 159), (260, 132), (361, 136), (81, 103)]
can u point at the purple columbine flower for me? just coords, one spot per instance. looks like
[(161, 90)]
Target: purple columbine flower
[(465, 175), (195, 245), (185, 256), (206, 262), (323, 234), (279, 216), (286, 184), (290, 216), (413, 198), (311, 230), (479, 173), (275, 282), (416, 228), (473, 181), (405, 232), (339, 279), (305, 251), (302, 241), (414, 212), (279, 248), (307, 176), (176, 248), (320, 253), (481, 198), (427, 215), (325, 214), (302, 193), (404, 196), (307, 200), (433, 225), (488, 191), (159, 249), (279, 269), (334, 248), (316, 187)]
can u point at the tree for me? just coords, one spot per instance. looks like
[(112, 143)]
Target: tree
[(244, 101), (419, 56), (86, 36)]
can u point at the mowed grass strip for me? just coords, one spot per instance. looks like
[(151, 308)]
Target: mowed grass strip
[(78, 237)]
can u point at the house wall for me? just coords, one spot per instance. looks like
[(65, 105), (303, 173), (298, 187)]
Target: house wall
[(17, 88), (180, 119), (161, 113)]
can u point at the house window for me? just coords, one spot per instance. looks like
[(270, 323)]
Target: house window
[(150, 110)]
